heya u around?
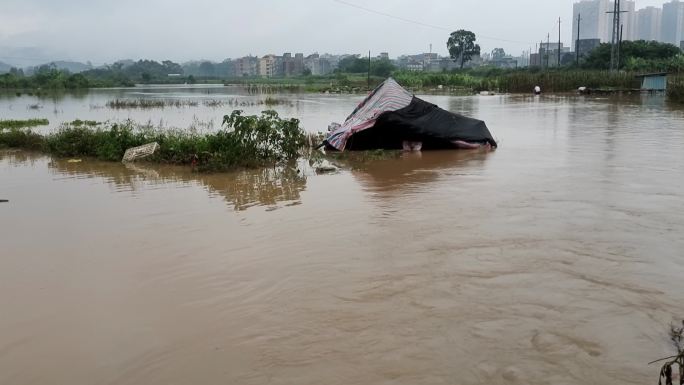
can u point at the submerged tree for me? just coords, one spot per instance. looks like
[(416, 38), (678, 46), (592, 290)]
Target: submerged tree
[(462, 47)]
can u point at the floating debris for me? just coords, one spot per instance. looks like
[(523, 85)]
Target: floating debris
[(140, 152)]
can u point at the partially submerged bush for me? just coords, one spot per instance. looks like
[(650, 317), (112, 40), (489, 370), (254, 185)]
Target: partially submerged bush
[(245, 141), (267, 136), (20, 138)]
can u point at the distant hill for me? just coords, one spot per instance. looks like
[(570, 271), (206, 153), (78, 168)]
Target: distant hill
[(4, 67)]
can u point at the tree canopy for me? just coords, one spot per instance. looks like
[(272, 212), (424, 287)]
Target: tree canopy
[(647, 53), (462, 47), (356, 64)]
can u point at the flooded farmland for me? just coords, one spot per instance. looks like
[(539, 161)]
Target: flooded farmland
[(555, 259)]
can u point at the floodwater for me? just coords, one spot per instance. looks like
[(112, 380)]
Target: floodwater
[(555, 259)]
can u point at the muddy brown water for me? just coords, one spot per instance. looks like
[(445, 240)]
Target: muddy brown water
[(555, 259)]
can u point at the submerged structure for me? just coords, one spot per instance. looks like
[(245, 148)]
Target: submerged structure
[(393, 118)]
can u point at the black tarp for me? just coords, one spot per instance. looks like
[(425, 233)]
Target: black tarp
[(424, 122)]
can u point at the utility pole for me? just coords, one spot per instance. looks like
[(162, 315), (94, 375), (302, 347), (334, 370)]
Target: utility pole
[(548, 44), (579, 24), (559, 42), (369, 69), (619, 48), (614, 52)]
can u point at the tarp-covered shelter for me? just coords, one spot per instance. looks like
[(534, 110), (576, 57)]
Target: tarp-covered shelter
[(391, 116)]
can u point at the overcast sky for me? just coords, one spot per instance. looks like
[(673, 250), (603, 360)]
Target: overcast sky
[(105, 31)]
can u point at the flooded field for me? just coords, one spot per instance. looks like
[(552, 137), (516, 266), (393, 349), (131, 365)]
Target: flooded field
[(555, 259)]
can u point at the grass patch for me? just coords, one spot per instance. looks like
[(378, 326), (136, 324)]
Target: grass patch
[(8, 124)]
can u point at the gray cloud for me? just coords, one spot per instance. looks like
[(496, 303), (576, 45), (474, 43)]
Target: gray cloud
[(104, 31)]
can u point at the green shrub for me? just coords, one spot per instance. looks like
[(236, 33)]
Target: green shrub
[(21, 138)]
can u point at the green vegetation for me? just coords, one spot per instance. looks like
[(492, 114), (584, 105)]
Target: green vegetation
[(677, 339), (358, 65), (462, 47), (518, 81), (48, 78), (566, 80), (21, 138), (638, 55), (23, 123), (675, 89), (246, 141)]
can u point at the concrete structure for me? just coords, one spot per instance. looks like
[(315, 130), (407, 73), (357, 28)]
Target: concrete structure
[(299, 63), (627, 20), (648, 23), (317, 65), (535, 60), (672, 30), (594, 21), (597, 23), (552, 49), (267, 66), (246, 66), (681, 45), (654, 82)]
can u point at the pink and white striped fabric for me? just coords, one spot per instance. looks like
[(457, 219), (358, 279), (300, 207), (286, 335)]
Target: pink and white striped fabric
[(388, 96)]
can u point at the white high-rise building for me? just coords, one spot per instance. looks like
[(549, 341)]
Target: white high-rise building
[(672, 30), (629, 19), (649, 23), (597, 23), (594, 23)]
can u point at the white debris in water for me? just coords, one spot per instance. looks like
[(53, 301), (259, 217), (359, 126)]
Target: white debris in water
[(140, 152)]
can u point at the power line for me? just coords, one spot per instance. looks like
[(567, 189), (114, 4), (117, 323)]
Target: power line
[(420, 22)]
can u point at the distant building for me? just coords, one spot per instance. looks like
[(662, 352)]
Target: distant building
[(597, 23), (505, 62), (299, 64), (441, 64), (627, 20), (549, 54), (594, 24), (383, 55), (648, 21), (672, 30), (246, 66), (267, 66), (317, 65), (535, 60), (681, 45)]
